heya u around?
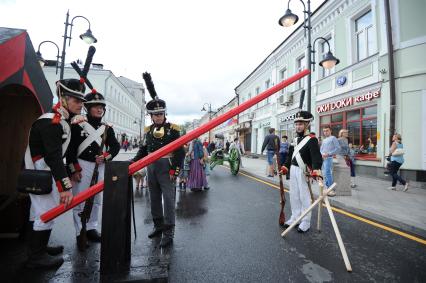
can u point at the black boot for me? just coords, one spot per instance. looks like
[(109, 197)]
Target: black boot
[(158, 228), (39, 258), (82, 245), (51, 250), (93, 236), (168, 235)]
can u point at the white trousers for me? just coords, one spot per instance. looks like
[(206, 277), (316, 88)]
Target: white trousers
[(300, 198), (42, 203), (86, 176)]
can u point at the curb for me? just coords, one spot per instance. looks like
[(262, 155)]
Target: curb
[(398, 225)]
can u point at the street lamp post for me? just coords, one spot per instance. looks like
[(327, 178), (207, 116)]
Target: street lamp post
[(209, 105), (290, 19), (86, 37)]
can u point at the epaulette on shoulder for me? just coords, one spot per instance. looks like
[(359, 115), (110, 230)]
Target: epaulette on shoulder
[(175, 127), (146, 129)]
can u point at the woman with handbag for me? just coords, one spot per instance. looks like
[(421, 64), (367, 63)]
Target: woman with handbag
[(397, 159)]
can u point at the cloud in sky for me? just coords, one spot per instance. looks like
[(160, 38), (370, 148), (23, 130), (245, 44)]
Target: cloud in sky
[(196, 51)]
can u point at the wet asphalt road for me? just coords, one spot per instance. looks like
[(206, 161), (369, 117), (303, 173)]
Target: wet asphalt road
[(231, 234)]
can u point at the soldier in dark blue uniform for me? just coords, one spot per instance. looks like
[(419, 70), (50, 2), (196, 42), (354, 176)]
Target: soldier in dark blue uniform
[(48, 142), (85, 148), (163, 172)]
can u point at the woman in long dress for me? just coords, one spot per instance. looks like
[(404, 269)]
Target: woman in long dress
[(197, 177)]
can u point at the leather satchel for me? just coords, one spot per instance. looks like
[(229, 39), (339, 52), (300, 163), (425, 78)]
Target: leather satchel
[(37, 182)]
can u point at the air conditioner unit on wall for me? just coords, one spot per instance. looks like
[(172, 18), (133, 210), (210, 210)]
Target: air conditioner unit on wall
[(286, 99)]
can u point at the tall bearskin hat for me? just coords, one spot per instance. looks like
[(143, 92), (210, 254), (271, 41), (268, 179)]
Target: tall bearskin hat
[(156, 105)]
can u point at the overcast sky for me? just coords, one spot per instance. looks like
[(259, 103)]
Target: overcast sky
[(196, 51)]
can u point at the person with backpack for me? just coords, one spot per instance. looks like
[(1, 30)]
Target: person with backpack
[(397, 159)]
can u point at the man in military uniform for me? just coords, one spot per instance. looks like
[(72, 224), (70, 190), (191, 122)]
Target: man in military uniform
[(163, 172), (85, 147), (48, 142), (304, 159)]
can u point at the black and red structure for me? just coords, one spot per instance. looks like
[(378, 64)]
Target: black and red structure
[(24, 95)]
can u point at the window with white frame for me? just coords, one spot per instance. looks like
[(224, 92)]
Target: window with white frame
[(257, 90), (322, 51), (267, 85), (283, 75), (364, 36), (301, 65)]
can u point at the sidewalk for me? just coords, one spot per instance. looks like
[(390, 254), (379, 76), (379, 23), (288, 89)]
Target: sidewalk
[(370, 199)]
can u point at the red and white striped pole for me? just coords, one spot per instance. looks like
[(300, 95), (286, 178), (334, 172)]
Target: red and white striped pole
[(134, 167)]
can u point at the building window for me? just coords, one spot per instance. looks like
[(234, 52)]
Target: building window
[(362, 126), (301, 65), (364, 37), (267, 85), (283, 75), (257, 91), (323, 50)]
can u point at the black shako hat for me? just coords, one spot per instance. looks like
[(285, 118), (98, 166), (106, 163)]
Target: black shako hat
[(94, 98), (156, 105), (71, 87), (303, 116)]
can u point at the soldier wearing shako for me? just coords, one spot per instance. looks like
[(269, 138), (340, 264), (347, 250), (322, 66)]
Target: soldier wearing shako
[(163, 172), (304, 159), (48, 142), (85, 145)]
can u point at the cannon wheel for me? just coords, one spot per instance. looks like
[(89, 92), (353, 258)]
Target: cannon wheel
[(234, 161)]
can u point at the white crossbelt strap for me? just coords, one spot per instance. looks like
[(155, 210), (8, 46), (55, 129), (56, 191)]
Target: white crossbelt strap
[(29, 164), (94, 136), (296, 153)]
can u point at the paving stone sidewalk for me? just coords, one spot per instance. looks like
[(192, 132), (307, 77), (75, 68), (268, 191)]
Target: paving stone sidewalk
[(371, 199)]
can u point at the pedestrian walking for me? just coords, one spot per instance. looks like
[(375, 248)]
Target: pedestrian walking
[(352, 164), (197, 177), (140, 179), (397, 159), (86, 139), (211, 147), (269, 144), (163, 172), (344, 161), (183, 176), (302, 156), (329, 147), (206, 168), (49, 139), (284, 146)]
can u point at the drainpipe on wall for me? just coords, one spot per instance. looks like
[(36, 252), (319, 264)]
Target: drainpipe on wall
[(391, 70)]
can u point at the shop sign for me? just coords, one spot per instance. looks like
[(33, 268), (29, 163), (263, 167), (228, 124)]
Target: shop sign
[(287, 118), (265, 124), (348, 101)]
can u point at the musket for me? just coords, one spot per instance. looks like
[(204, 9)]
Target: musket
[(88, 205), (281, 218)]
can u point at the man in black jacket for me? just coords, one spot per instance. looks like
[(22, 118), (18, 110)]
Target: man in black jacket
[(304, 158), (163, 172), (270, 143), (48, 142), (85, 148)]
